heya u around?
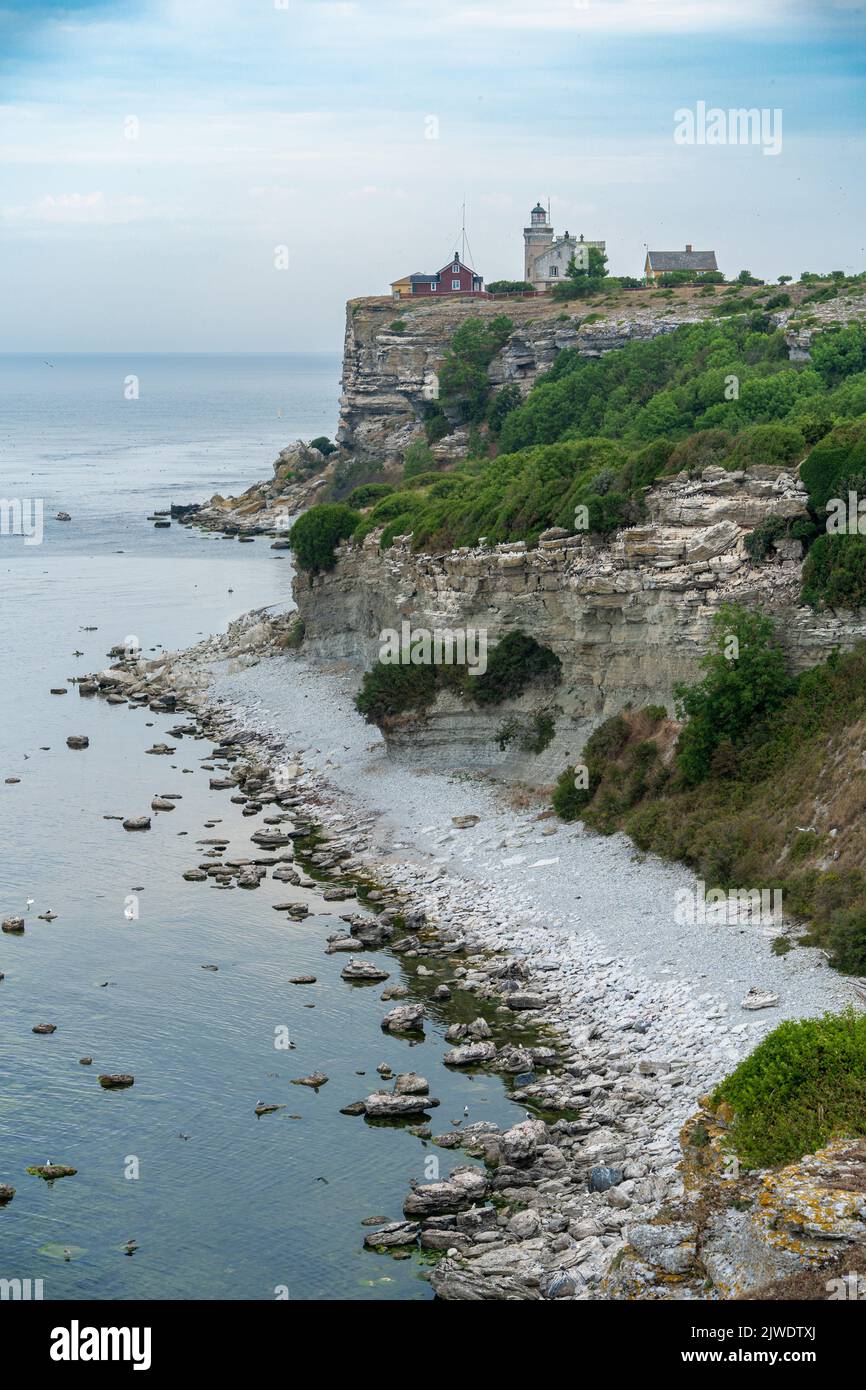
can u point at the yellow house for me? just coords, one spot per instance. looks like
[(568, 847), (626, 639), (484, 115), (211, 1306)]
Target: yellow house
[(402, 289)]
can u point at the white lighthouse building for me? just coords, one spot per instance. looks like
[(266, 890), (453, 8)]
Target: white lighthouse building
[(546, 257)]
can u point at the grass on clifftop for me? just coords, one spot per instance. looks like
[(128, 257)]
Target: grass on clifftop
[(804, 1085), (782, 803)]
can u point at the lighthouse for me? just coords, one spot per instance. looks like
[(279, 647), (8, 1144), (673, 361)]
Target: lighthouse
[(536, 237), (546, 257)]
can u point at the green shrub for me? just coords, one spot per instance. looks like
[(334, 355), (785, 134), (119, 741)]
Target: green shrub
[(507, 398), (514, 663), (839, 354), (569, 800), (804, 1085), (517, 661), (317, 532), (759, 542), (323, 444), (367, 494), (745, 679), (436, 424), (834, 575), (607, 741), (397, 326), (704, 449), (838, 456), (847, 941), (295, 635), (510, 287), (776, 444), (388, 689)]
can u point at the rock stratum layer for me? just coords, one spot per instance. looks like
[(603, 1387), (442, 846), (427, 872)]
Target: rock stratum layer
[(628, 619)]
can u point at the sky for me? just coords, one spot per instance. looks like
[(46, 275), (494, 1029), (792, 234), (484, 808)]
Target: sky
[(222, 175)]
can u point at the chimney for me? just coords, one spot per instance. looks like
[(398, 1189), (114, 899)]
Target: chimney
[(688, 246)]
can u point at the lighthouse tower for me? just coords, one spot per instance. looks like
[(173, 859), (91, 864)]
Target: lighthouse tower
[(537, 236)]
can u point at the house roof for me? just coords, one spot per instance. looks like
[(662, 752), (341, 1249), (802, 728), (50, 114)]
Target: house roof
[(404, 280), (682, 260), (418, 276), (455, 260)]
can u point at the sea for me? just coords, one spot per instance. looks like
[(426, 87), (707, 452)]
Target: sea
[(218, 1203)]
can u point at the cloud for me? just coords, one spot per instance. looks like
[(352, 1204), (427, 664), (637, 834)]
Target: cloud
[(625, 17), (78, 209)]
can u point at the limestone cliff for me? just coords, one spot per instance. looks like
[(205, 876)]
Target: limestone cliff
[(628, 618), (393, 349), (796, 1231), (393, 352)]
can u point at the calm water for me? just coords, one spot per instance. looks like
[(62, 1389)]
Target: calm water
[(242, 1205)]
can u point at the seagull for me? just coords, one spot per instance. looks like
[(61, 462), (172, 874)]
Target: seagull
[(130, 1247), (129, 913), (465, 1111), (29, 904)]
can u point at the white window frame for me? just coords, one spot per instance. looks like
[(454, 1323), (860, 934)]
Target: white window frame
[(554, 270), (433, 287), (455, 284), (455, 269)]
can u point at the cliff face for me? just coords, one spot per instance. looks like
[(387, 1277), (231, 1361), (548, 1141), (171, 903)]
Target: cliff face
[(390, 375), (393, 350), (628, 619)]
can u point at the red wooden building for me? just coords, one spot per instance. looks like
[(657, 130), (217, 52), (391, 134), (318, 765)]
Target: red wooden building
[(453, 278)]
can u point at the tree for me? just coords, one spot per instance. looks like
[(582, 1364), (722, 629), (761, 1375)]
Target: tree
[(785, 279), (463, 381), (317, 532), (508, 398), (595, 268), (745, 680)]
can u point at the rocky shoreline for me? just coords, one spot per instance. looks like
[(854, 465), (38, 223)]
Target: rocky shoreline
[(608, 1065)]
